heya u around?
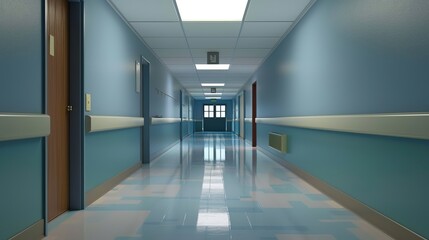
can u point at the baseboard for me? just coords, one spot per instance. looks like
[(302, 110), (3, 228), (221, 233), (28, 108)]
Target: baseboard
[(385, 224), (35, 231), (94, 194)]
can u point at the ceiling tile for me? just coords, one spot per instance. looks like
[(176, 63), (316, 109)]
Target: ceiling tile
[(212, 42), (257, 42), (172, 53), (243, 68), (181, 68), (249, 60), (253, 53), (186, 74), (158, 29), (177, 61), (147, 10), (166, 42), (217, 74), (275, 10), (212, 29), (264, 29)]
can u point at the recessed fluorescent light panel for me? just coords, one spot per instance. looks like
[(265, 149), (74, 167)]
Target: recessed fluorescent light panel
[(211, 10), (212, 84), (213, 94), (212, 66), (213, 97)]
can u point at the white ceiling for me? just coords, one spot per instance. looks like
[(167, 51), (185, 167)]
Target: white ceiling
[(180, 45)]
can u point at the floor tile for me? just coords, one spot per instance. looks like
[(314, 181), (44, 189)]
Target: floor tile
[(213, 186)]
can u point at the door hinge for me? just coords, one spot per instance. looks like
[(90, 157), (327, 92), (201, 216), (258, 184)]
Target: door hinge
[(69, 108)]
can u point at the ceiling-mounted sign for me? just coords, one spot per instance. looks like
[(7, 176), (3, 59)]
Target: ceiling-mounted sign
[(212, 57), (213, 90)]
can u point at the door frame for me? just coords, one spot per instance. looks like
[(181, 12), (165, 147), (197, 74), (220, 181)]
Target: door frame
[(145, 95), (77, 115), (241, 97), (254, 135)]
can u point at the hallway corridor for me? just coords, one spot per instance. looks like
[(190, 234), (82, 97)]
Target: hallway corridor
[(213, 186)]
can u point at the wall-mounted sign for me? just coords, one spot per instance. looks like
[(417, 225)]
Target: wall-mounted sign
[(213, 90), (212, 57)]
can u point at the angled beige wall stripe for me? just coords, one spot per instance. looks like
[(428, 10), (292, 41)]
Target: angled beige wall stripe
[(15, 126), (409, 125), (106, 123)]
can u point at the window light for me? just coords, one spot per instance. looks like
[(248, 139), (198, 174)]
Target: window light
[(212, 94), (212, 66), (211, 10), (212, 84)]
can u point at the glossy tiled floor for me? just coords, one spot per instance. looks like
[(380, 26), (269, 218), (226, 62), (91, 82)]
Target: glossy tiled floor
[(213, 186)]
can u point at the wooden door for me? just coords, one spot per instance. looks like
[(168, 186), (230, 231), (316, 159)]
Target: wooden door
[(58, 99)]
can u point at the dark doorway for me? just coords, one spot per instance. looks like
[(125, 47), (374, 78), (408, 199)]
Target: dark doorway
[(145, 94), (254, 115), (214, 118)]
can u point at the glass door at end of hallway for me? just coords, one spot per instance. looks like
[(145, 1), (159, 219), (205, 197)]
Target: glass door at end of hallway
[(214, 118)]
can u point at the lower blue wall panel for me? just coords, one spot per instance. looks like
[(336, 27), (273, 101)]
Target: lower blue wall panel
[(111, 153), (386, 173), (162, 137), (248, 131), (21, 184)]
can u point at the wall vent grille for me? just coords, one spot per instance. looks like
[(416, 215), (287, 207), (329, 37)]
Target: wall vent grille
[(277, 141)]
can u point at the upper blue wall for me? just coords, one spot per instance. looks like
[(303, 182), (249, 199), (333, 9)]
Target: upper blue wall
[(348, 57), (354, 57), (21, 91), (110, 51), (21, 59)]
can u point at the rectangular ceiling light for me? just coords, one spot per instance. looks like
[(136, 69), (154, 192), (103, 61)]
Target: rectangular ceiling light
[(213, 97), (211, 10), (212, 66), (213, 94), (212, 84)]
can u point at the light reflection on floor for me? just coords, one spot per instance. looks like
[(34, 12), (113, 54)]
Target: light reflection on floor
[(213, 186)]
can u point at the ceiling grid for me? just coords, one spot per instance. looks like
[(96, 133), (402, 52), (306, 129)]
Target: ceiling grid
[(181, 45)]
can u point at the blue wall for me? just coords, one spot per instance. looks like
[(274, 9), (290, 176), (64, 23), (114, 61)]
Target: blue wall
[(110, 52), (187, 124), (21, 90), (352, 57)]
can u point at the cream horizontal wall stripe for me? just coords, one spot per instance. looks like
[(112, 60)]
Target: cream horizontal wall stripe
[(248, 119), (106, 123), (410, 125), (156, 121), (15, 126)]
